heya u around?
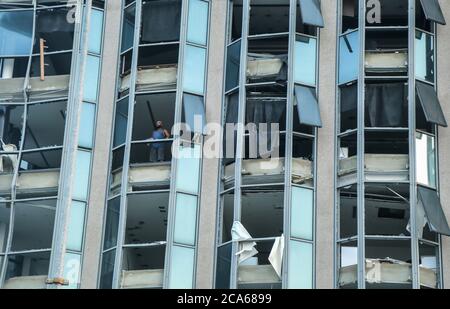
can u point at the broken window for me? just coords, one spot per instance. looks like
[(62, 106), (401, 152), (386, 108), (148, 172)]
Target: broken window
[(348, 226), (386, 52), (429, 266), (348, 57), (307, 106), (156, 13), (16, 29), (33, 225), (311, 13), (426, 159), (194, 69), (45, 125), (347, 156), (41, 160), (116, 170), (233, 66), (262, 211), (157, 68), (257, 272), (386, 105), (429, 100), (53, 26), (305, 60), (267, 60), (433, 213), (157, 151), (5, 212), (348, 107), (433, 11), (23, 270), (387, 154), (302, 167), (230, 134), (143, 267), (424, 56), (386, 209), (269, 16), (111, 223), (387, 13), (148, 110), (350, 13), (11, 121), (390, 263), (129, 19), (146, 221), (300, 265), (124, 73), (347, 264), (197, 28)]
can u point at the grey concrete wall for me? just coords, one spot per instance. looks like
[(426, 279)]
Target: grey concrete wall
[(443, 83), (105, 108), (214, 94), (326, 144)]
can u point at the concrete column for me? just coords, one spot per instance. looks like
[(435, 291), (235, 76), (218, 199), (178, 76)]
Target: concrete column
[(325, 152), (210, 171), (101, 154)]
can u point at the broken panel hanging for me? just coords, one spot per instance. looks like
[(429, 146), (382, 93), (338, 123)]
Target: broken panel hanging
[(429, 100), (433, 11), (311, 13), (433, 210), (307, 106)]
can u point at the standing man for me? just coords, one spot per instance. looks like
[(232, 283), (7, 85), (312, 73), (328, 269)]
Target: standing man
[(157, 149)]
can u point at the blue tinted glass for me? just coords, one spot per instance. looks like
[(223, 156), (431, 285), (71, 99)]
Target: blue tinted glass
[(300, 275), (197, 22), (305, 61), (185, 219), (95, 31), (128, 28), (121, 121), (188, 169), (194, 69), (302, 213), (16, 30), (91, 78), (72, 268), (348, 57), (76, 226), (85, 137), (82, 172), (181, 268)]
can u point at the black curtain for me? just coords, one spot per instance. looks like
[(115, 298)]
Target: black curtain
[(161, 21), (386, 105)]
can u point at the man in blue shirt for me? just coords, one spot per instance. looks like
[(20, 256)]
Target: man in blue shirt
[(157, 149)]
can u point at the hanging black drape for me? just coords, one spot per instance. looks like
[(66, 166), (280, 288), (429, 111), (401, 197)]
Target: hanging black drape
[(386, 105), (161, 21)]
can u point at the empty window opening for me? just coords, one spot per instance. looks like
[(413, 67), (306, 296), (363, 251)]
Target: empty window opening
[(350, 13), (143, 267), (5, 212), (387, 52), (388, 13), (227, 216), (27, 269), (157, 68), (146, 218), (429, 265), (116, 170), (426, 159), (348, 107), (269, 16), (129, 19), (347, 154), (13, 67), (53, 26), (348, 226), (45, 125), (155, 14), (386, 105), (262, 211), (33, 225), (267, 60), (11, 122), (311, 15)]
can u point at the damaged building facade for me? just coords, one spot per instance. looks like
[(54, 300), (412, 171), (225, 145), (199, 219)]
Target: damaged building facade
[(98, 191)]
